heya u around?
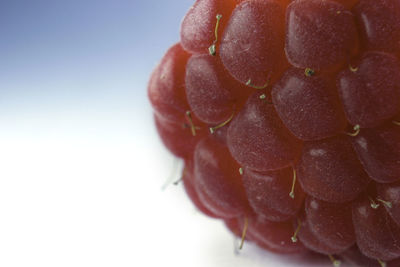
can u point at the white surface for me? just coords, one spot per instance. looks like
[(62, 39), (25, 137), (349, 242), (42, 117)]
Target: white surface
[(86, 191)]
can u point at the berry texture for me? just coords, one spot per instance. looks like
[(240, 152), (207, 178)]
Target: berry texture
[(287, 116)]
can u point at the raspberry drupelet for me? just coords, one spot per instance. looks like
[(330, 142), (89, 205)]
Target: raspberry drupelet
[(287, 116)]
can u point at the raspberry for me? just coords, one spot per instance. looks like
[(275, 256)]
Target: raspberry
[(287, 116)]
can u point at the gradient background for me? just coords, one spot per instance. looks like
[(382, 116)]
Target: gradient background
[(81, 166)]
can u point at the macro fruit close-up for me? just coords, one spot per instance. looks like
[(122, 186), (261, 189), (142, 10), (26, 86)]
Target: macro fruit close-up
[(287, 117)]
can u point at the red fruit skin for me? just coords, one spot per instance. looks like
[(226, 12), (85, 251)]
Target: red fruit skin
[(329, 170), (257, 138), (177, 136), (356, 258), (310, 240), (391, 193), (371, 94), (267, 235), (263, 50), (348, 3), (393, 263), (273, 236), (331, 223), (198, 26), (379, 152), (379, 24), (166, 89), (189, 185), (268, 194), (218, 181), (308, 106), (319, 34), (214, 206), (252, 43), (377, 235), (208, 89)]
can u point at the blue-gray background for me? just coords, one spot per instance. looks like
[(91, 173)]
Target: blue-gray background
[(81, 58), (81, 167)]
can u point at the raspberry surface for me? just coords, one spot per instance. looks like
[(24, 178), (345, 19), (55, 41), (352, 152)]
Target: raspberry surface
[(287, 115)]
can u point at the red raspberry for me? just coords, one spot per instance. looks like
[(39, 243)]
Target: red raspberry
[(287, 115)]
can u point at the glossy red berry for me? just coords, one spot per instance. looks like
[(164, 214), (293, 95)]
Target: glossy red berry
[(258, 139), (330, 170), (270, 194), (378, 236), (319, 34), (370, 90), (190, 189), (217, 177), (252, 44), (331, 223), (308, 105), (166, 87), (208, 89), (274, 236), (379, 21), (198, 26), (379, 152), (287, 115)]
